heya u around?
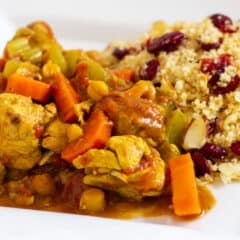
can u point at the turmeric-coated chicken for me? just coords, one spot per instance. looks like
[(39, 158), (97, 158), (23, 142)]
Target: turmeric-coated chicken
[(128, 166), (20, 121), (136, 116)]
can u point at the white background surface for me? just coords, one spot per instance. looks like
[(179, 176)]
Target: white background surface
[(88, 24)]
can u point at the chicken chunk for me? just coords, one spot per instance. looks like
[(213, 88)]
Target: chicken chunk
[(19, 117), (135, 116), (128, 166), (129, 150), (97, 158)]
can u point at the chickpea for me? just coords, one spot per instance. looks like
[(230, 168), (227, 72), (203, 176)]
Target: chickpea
[(43, 184), (93, 200), (97, 89), (74, 131), (50, 69)]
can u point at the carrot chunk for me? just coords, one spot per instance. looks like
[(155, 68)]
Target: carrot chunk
[(81, 75), (97, 131), (184, 189), (65, 97), (126, 74), (28, 87)]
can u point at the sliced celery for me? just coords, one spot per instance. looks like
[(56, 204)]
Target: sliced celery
[(95, 70), (10, 67), (33, 55), (176, 124), (16, 46), (57, 57), (72, 58), (13, 66)]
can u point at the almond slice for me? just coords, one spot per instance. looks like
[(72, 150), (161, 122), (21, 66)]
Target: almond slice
[(196, 134)]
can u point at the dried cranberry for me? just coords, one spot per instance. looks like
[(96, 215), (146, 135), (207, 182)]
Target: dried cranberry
[(201, 165), (149, 70), (120, 53), (213, 151), (223, 23), (212, 126), (232, 85), (235, 147), (207, 65), (212, 82), (209, 46), (223, 61), (168, 42), (218, 67)]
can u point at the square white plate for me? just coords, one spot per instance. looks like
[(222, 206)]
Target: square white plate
[(92, 24)]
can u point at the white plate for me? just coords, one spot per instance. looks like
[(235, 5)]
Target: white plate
[(92, 24)]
